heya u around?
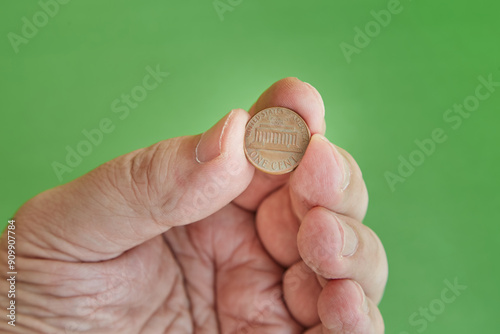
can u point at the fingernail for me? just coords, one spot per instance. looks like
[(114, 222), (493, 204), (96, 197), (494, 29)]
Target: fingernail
[(347, 172), (343, 164), (364, 303), (210, 144), (350, 239)]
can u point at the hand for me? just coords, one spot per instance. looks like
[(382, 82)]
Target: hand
[(186, 236)]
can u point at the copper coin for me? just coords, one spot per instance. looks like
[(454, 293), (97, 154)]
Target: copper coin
[(276, 139)]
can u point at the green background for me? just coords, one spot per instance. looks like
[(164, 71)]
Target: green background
[(442, 223)]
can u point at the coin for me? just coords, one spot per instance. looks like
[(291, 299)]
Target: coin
[(276, 139)]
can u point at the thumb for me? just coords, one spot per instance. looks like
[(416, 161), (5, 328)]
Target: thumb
[(139, 195)]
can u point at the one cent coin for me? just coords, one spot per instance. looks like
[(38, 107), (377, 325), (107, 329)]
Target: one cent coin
[(276, 139)]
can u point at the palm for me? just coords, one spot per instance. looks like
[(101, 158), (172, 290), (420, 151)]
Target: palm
[(230, 280), (211, 276)]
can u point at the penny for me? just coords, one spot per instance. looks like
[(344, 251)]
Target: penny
[(276, 139)]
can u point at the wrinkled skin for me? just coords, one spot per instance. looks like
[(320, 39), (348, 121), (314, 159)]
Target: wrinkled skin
[(187, 237)]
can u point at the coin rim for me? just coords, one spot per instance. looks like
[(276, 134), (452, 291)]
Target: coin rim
[(284, 171)]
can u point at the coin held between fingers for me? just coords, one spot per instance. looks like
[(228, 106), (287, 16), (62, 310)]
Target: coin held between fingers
[(276, 139)]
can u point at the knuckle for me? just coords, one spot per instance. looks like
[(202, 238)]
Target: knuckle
[(142, 178), (145, 172)]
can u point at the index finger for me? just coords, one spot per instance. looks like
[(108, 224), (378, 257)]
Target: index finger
[(300, 97)]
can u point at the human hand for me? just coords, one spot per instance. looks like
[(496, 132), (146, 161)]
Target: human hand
[(186, 236)]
